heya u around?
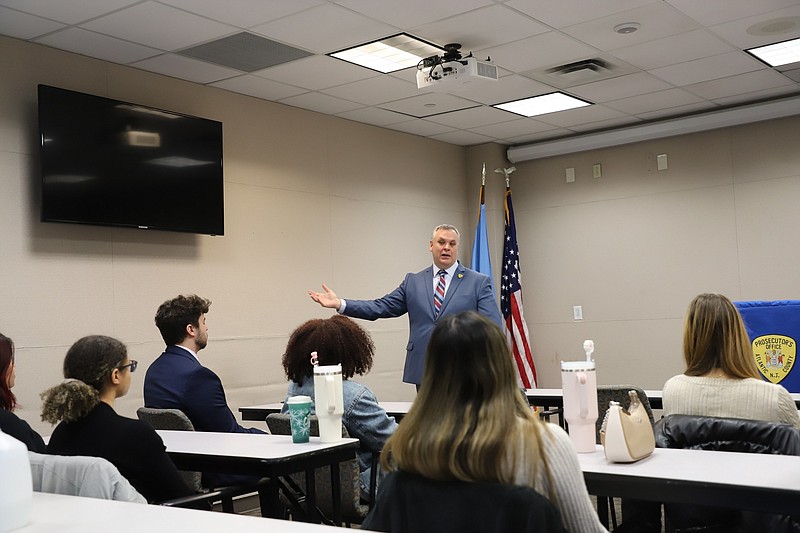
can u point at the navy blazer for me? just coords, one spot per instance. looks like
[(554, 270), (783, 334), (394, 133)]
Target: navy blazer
[(468, 291), (176, 380)]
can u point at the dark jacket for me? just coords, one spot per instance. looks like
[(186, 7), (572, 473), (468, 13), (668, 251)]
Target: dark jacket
[(131, 445), (12, 425), (408, 503)]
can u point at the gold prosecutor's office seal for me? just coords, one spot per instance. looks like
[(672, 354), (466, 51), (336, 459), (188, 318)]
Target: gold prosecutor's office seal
[(775, 356)]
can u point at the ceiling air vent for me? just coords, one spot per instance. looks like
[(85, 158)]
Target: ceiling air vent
[(581, 71)]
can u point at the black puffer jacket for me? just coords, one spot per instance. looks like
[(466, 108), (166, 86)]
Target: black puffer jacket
[(732, 435)]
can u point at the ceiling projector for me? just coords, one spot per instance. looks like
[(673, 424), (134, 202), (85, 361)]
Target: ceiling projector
[(451, 70)]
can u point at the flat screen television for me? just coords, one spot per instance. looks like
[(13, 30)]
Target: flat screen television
[(113, 163)]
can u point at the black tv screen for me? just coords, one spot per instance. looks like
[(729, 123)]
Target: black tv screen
[(113, 163)]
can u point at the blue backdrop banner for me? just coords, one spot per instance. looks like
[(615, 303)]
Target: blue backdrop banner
[(774, 330)]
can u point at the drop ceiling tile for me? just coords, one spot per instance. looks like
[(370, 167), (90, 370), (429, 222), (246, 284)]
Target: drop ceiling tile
[(512, 128), (740, 99), (544, 50), (657, 20), (258, 87), (506, 89), (473, 117), (708, 68), (542, 136), (710, 12), (243, 13), (186, 68), (480, 29), (321, 103), (636, 105), (700, 107), (581, 115), (620, 87), (68, 11), (428, 104), (420, 127), (98, 45), (374, 115), (317, 72), (741, 32), (606, 124), (463, 138), (569, 12), (372, 91), (687, 46), (25, 26), (411, 13), (341, 28), (750, 82), (153, 24)]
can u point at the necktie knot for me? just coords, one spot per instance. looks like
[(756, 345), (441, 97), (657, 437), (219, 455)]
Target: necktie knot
[(441, 272)]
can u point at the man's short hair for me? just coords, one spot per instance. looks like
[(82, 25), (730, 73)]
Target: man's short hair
[(444, 227), (174, 315)]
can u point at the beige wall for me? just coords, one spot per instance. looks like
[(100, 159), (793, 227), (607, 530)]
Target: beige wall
[(311, 198), (635, 246)]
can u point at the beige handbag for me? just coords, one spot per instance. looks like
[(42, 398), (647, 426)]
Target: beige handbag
[(627, 436)]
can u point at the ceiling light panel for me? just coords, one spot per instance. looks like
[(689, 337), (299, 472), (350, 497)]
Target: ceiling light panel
[(541, 105), (778, 54), (389, 54)]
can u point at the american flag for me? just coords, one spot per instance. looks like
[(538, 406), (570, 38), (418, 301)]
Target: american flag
[(511, 301)]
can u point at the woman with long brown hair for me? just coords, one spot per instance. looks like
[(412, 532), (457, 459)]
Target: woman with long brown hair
[(721, 378), (10, 423)]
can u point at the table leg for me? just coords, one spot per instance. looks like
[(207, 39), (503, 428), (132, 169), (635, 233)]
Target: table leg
[(311, 497), (336, 494)]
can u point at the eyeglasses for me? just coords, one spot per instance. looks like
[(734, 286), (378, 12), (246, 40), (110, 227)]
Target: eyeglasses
[(133, 364)]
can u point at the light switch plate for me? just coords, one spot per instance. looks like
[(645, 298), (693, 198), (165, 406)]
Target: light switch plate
[(570, 175), (577, 312), (661, 161)]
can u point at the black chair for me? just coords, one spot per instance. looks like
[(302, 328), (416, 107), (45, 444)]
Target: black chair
[(175, 419), (353, 510), (408, 503)]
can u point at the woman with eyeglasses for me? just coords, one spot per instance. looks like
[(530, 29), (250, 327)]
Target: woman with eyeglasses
[(10, 423), (97, 372)]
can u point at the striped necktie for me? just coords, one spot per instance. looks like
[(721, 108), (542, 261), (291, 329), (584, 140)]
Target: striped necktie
[(438, 294)]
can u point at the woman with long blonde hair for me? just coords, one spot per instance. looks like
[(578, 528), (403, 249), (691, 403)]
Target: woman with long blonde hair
[(721, 378), (469, 422)]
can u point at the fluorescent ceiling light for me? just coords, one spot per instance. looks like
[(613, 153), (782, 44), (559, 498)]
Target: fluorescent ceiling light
[(389, 54), (778, 54), (540, 105)]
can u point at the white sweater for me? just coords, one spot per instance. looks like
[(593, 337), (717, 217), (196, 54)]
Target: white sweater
[(569, 490), (749, 398)]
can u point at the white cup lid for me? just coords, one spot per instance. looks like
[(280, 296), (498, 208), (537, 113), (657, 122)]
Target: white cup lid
[(299, 399), (577, 366)]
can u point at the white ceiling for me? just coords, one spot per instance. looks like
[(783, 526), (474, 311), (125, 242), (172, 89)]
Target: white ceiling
[(687, 57)]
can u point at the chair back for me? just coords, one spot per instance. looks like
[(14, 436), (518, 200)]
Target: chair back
[(172, 419), (732, 435), (353, 511), (91, 477), (618, 393), (410, 503)]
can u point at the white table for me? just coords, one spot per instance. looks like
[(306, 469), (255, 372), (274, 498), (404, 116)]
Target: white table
[(56, 513), (270, 456), (747, 481)]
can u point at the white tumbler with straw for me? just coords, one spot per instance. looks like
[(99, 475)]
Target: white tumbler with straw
[(579, 389)]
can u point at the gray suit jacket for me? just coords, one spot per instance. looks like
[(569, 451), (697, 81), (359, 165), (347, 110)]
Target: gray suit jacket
[(468, 291)]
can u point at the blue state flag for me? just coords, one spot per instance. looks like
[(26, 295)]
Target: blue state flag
[(480, 248)]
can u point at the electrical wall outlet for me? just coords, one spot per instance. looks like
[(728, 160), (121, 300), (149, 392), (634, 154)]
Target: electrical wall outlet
[(570, 173), (597, 170)]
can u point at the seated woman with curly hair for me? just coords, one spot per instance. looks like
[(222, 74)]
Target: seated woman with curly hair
[(98, 372), (339, 340)]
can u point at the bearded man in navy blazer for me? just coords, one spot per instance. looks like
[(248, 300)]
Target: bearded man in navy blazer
[(464, 290), (177, 380)]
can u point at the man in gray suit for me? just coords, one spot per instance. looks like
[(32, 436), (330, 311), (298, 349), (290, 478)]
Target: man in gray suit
[(459, 289)]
